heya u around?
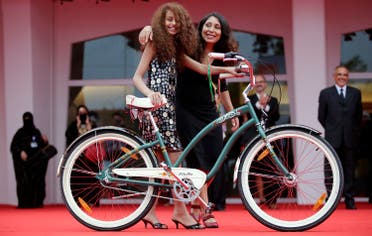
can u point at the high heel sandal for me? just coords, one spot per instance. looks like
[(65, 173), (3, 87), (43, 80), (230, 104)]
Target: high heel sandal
[(197, 216), (193, 226), (207, 224), (155, 225)]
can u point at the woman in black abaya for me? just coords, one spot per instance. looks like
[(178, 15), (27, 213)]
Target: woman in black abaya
[(29, 166)]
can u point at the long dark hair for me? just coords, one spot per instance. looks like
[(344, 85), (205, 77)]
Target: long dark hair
[(226, 43)]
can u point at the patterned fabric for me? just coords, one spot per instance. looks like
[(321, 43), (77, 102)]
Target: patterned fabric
[(162, 78)]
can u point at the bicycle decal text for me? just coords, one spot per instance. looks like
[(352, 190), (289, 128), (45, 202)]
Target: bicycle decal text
[(227, 116)]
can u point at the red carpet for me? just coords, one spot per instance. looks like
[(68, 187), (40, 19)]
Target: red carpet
[(56, 220)]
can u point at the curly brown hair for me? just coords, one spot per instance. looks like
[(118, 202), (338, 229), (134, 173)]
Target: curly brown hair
[(183, 42)]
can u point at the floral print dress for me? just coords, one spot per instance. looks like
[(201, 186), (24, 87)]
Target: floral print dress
[(162, 77)]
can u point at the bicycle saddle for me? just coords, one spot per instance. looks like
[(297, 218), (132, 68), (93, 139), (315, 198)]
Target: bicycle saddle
[(144, 102)]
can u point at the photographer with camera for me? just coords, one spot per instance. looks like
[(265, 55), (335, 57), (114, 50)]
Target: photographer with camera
[(80, 125)]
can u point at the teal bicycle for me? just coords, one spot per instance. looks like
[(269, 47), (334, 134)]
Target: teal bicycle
[(110, 177)]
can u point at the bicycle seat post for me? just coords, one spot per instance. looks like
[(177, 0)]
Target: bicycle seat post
[(152, 120), (159, 138)]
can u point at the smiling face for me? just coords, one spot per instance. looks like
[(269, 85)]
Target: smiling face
[(341, 76), (171, 23), (261, 84), (211, 31)]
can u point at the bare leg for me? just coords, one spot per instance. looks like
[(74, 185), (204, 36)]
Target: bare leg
[(151, 216)]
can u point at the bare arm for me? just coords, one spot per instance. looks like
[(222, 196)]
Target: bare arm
[(227, 104), (227, 75), (203, 69), (147, 55)]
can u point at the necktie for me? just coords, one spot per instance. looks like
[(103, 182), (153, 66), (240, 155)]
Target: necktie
[(342, 94)]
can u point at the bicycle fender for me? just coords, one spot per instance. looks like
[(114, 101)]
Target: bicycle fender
[(305, 128), (77, 140), (269, 131)]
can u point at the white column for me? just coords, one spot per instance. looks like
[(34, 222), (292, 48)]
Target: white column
[(309, 65), (17, 80), (27, 49), (309, 60)]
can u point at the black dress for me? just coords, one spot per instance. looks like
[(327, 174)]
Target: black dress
[(30, 174), (195, 109)]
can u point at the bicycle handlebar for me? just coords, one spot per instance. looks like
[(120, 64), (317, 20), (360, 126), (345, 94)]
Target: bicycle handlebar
[(245, 67), (223, 56)]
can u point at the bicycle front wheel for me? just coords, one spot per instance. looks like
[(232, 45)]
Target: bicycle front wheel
[(91, 195), (305, 196)]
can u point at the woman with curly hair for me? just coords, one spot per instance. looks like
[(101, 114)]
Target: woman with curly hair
[(174, 40)]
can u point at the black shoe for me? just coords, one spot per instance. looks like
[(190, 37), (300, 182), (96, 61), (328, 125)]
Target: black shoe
[(219, 207), (193, 226), (350, 204), (155, 225)]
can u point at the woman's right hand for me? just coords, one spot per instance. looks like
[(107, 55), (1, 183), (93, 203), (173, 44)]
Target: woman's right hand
[(23, 156), (145, 35), (233, 71), (156, 98)]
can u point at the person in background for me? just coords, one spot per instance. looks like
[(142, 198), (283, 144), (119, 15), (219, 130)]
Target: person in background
[(29, 166), (77, 127), (340, 114), (266, 108), (117, 119), (80, 125)]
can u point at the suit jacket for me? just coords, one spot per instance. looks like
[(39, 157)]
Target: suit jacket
[(341, 118), (273, 113), (273, 116)]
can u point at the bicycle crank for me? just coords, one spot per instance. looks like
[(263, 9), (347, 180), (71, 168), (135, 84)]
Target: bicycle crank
[(185, 191)]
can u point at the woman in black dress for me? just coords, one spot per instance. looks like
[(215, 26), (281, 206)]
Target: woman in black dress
[(196, 107)]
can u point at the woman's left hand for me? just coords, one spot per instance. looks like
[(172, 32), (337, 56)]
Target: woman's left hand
[(234, 124)]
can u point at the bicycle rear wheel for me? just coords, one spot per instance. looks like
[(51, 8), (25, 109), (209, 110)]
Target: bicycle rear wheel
[(304, 198), (91, 196)]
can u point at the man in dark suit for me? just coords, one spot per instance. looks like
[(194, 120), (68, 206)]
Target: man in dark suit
[(340, 113)]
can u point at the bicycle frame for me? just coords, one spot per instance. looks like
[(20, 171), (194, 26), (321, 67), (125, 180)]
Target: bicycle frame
[(113, 166)]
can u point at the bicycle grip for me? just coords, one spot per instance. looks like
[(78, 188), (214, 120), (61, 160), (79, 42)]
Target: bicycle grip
[(216, 55)]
